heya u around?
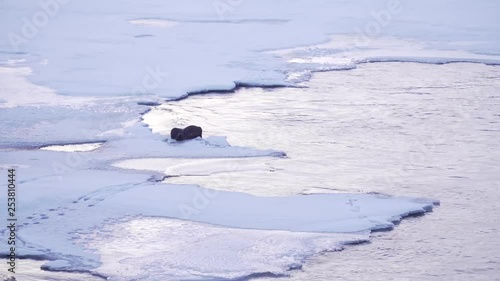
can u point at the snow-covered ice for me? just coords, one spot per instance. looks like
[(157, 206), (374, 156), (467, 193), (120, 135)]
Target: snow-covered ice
[(79, 190)]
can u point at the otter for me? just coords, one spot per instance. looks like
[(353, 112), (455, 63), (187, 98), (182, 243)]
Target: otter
[(188, 133)]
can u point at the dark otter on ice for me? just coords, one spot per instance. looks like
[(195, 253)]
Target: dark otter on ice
[(190, 132)]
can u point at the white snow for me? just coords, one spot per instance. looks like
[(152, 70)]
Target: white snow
[(77, 72)]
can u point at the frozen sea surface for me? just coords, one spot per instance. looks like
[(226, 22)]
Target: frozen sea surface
[(165, 49), (399, 128)]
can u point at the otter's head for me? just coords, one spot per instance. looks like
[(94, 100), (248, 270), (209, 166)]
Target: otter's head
[(176, 134)]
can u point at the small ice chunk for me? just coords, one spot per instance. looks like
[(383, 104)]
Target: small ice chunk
[(73, 147), (56, 265), (154, 22)]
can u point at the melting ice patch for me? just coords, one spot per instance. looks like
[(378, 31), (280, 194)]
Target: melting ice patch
[(16, 91), (175, 167), (343, 52), (168, 249)]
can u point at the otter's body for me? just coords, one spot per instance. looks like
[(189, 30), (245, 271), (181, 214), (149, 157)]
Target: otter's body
[(188, 133)]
